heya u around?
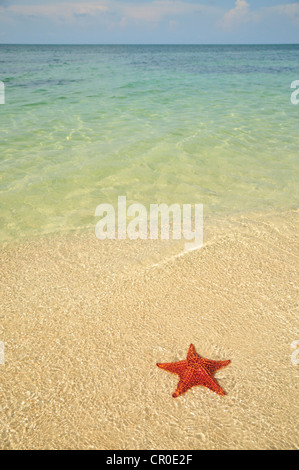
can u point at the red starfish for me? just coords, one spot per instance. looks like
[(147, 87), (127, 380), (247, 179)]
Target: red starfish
[(195, 370)]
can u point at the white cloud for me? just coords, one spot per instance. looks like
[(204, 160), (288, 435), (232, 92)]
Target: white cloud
[(237, 16), (59, 11), (159, 9), (126, 13), (290, 10), (241, 14), (152, 12)]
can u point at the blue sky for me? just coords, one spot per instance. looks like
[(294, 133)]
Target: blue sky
[(149, 21)]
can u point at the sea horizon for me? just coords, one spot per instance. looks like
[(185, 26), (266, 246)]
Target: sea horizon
[(150, 44), (186, 124)]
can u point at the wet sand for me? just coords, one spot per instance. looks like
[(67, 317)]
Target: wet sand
[(85, 322)]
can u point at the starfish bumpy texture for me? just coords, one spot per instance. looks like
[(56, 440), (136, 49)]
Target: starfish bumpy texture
[(195, 370)]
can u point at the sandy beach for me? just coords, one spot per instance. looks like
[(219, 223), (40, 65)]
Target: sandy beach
[(84, 323)]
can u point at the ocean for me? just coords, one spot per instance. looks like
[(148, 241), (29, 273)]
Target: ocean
[(82, 125), (85, 321)]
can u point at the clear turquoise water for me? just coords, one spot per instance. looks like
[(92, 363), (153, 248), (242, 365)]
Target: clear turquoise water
[(188, 124)]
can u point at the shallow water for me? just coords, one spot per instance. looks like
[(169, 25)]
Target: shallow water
[(82, 339), (84, 322), (83, 125)]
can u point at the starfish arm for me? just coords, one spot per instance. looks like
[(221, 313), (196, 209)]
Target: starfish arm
[(213, 366), (174, 367), (191, 352), (185, 383), (205, 379), (195, 371)]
